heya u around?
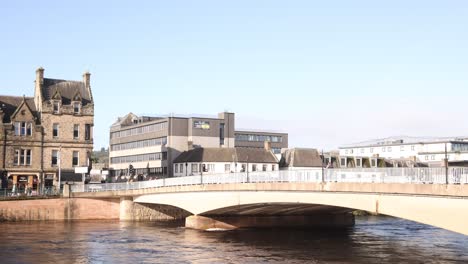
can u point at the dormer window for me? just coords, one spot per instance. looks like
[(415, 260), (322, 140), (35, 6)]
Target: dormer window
[(76, 107), (23, 128), (56, 107)]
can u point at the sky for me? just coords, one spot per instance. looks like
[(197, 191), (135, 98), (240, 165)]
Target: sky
[(327, 72)]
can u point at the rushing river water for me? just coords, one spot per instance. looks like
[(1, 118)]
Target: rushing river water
[(372, 240)]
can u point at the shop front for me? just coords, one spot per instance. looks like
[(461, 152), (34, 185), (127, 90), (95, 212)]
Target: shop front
[(23, 183)]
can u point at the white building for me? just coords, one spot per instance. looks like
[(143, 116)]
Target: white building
[(431, 151), (224, 160)]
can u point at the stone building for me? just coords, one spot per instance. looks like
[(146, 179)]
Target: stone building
[(47, 133)]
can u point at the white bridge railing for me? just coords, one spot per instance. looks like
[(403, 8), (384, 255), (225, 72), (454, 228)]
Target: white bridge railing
[(454, 175)]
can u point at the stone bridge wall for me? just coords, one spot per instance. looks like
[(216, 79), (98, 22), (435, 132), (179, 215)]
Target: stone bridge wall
[(84, 209)]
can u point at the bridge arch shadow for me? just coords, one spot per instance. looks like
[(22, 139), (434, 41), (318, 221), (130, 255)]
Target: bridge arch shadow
[(435, 211)]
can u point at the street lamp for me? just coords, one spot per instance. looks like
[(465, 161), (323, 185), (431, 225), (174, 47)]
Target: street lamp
[(59, 168)]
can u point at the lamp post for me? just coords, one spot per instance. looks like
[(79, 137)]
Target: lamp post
[(323, 169), (60, 169), (446, 164), (247, 168)]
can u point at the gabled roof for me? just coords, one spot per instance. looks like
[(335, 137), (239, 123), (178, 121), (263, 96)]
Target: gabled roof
[(9, 105), (66, 89), (301, 157), (241, 155)]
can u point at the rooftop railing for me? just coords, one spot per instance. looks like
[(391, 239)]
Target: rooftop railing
[(452, 175)]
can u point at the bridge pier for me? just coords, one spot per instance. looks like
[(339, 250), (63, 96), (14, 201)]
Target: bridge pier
[(233, 222), (126, 208)]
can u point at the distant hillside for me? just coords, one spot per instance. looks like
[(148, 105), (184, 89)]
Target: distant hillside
[(100, 156)]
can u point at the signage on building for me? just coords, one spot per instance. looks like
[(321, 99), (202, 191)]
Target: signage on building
[(81, 169), (201, 124), (23, 178)]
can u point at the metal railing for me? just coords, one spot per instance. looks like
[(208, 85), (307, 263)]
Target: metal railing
[(22, 193), (454, 175)]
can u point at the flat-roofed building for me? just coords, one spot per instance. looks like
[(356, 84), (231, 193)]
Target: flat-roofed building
[(405, 151), (142, 145), (256, 139), (150, 144)]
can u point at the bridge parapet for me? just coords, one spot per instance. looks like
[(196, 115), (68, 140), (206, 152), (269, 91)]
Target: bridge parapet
[(437, 176)]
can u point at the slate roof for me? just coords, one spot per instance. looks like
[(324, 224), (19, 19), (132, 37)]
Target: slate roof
[(301, 157), (67, 90), (241, 155), (9, 104)]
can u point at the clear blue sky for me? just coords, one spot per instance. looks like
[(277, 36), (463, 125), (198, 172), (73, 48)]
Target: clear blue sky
[(327, 72)]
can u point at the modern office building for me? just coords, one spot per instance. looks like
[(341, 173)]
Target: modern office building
[(406, 150), (255, 139), (36, 131), (143, 145)]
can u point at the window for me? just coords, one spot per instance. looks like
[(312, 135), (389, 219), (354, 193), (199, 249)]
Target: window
[(362, 150), (227, 167), (371, 150), (56, 107), (254, 167), (76, 156), (276, 150), (358, 162), (373, 163), (389, 149), (273, 167), (402, 148), (54, 158), (221, 134), (194, 168), (432, 157), (383, 149), (412, 147), (426, 157), (264, 167), (22, 157), (346, 151), (243, 167), (87, 132), (76, 131), (343, 162), (55, 130), (76, 108), (181, 168), (23, 128), (258, 138), (176, 168)]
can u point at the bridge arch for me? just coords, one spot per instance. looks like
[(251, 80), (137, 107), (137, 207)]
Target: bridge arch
[(443, 212)]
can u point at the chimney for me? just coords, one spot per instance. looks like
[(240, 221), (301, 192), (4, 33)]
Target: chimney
[(39, 76), (189, 145), (267, 145), (86, 79)]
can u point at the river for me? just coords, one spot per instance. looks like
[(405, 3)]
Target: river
[(372, 240)]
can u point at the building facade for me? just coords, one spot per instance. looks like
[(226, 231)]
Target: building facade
[(48, 134), (405, 150), (142, 145), (255, 139), (206, 161)]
